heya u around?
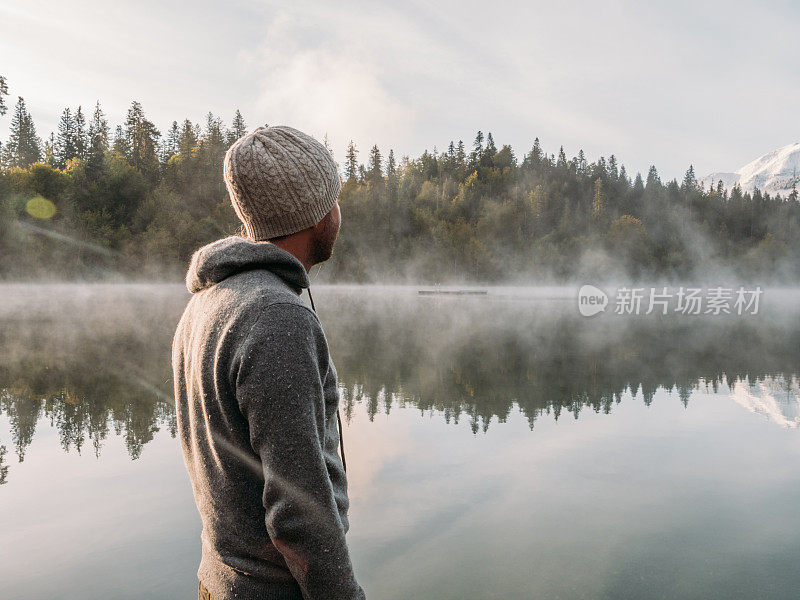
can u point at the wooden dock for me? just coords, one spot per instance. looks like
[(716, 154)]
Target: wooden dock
[(452, 292)]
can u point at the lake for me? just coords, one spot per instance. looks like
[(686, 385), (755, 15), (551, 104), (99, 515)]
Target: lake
[(497, 447)]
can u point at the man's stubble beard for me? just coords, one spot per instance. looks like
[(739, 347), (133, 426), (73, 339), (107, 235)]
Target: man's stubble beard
[(322, 244)]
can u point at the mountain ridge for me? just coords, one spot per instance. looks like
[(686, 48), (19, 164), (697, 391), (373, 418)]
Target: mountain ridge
[(774, 172)]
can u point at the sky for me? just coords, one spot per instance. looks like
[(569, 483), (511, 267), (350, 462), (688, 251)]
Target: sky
[(670, 83)]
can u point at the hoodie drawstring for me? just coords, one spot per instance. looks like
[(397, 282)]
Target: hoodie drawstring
[(310, 297), (341, 439), (338, 414)]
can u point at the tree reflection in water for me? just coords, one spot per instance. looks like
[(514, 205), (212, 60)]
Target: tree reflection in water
[(92, 359)]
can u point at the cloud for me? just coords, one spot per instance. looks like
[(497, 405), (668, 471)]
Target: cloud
[(416, 76), (324, 85)]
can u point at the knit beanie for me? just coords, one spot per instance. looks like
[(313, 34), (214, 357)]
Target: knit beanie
[(280, 181)]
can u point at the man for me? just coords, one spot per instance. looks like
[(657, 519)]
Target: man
[(255, 388)]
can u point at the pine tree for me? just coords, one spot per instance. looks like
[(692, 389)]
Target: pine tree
[(351, 162), (3, 92), (172, 144), (142, 138), (448, 159), (461, 154), (375, 173), (490, 150), (601, 168), (638, 184), (478, 143), (65, 143), (81, 135), (561, 162), (391, 176), (537, 150), (188, 140), (121, 146), (98, 130), (98, 143), (477, 150), (23, 147), (581, 164), (689, 180), (533, 160), (652, 178), (238, 127), (213, 135), (623, 177), (613, 171)]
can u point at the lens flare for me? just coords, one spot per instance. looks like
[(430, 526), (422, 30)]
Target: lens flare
[(40, 207)]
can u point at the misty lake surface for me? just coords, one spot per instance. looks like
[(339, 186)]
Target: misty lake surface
[(497, 447)]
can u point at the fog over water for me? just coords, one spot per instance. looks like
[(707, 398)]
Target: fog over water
[(497, 444)]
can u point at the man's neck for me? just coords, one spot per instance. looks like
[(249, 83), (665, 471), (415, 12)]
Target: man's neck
[(297, 245)]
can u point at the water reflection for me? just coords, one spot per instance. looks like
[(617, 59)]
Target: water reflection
[(90, 360), (95, 359), (777, 399)]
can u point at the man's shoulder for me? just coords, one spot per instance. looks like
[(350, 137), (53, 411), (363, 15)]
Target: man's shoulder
[(279, 332), (240, 301)]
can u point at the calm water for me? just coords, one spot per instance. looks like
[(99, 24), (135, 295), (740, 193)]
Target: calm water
[(497, 447)]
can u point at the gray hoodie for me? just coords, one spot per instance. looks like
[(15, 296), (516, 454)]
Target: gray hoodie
[(257, 401)]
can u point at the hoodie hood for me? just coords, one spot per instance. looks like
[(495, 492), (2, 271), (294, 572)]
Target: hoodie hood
[(231, 255)]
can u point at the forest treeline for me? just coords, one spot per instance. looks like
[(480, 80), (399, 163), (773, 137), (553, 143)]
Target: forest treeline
[(92, 202)]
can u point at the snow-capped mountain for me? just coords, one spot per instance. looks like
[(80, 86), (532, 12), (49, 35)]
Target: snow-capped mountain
[(774, 173), (774, 398)]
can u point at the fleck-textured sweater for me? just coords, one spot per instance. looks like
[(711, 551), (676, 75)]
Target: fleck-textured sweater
[(257, 401)]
